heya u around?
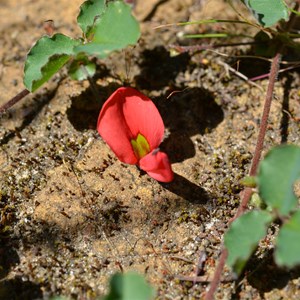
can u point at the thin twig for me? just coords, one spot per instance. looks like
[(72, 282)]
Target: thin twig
[(176, 257), (202, 279), (196, 48), (91, 81), (13, 101), (239, 74), (280, 71)]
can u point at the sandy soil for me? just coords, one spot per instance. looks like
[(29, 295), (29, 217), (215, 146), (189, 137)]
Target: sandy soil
[(72, 214)]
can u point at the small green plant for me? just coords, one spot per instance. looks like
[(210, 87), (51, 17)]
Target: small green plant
[(276, 176), (280, 168), (129, 286), (260, 9), (107, 26), (102, 24), (266, 13)]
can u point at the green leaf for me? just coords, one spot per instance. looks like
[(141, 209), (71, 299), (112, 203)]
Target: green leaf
[(268, 12), (130, 286), (288, 242), (47, 57), (276, 176), (81, 68), (243, 236), (114, 30), (89, 10)]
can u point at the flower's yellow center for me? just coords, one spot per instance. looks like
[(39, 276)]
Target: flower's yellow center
[(140, 146)]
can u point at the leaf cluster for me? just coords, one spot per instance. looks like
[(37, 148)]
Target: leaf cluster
[(106, 26), (275, 181), (268, 16)]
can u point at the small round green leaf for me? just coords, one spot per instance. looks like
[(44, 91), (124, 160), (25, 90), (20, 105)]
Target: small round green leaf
[(115, 29), (288, 243), (130, 286), (268, 12), (276, 176), (243, 236), (47, 57), (89, 10)]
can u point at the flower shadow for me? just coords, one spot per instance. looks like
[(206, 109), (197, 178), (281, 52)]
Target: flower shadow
[(187, 113), (84, 110), (187, 190)]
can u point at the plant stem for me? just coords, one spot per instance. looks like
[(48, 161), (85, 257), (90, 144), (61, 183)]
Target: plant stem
[(13, 101), (91, 81), (264, 119), (246, 195), (247, 192)]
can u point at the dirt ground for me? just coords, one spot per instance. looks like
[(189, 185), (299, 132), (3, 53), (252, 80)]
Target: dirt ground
[(72, 215)]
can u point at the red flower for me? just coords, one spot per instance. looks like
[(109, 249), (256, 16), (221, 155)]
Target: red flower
[(131, 125)]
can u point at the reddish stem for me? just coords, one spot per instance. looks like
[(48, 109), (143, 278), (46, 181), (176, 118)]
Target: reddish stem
[(13, 101), (246, 195), (280, 71), (264, 119), (255, 160)]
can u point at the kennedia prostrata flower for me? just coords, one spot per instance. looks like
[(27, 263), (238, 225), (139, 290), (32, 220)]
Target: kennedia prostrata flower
[(131, 125)]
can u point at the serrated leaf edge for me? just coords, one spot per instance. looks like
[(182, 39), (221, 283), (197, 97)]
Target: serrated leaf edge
[(29, 85)]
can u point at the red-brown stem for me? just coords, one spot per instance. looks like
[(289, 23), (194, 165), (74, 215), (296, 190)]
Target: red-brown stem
[(265, 115), (246, 195), (13, 101)]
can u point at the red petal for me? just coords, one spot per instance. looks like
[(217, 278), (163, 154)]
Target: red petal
[(124, 115), (142, 116), (114, 130), (157, 165)]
